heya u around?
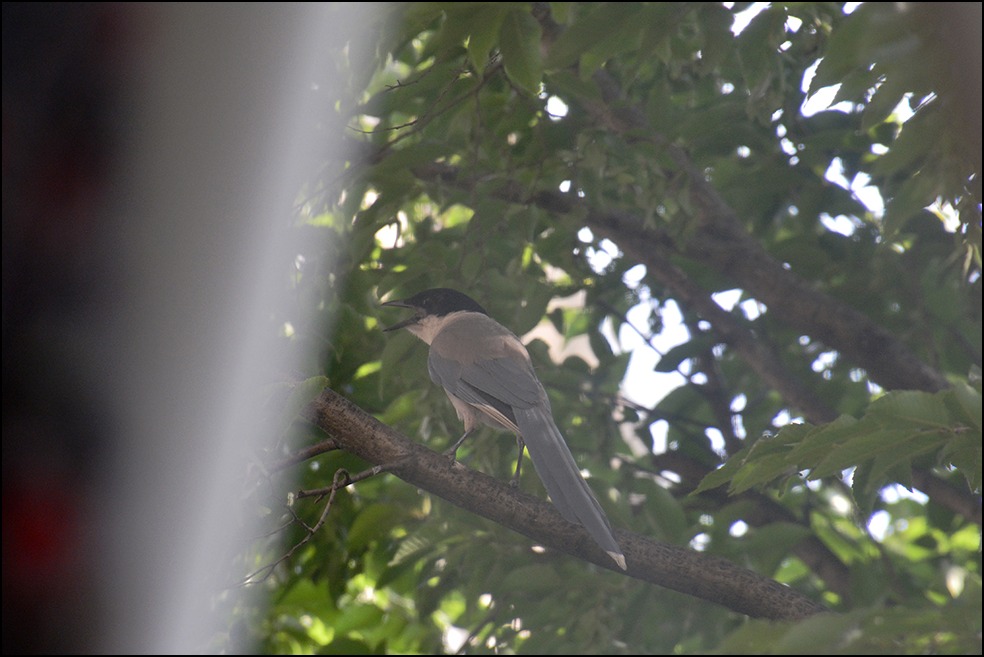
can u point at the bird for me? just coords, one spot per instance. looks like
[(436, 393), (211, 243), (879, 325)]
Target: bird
[(488, 376)]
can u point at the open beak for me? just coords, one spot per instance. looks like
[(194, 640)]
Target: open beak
[(413, 319)]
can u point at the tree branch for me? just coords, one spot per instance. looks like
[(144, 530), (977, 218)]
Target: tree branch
[(720, 241), (693, 573)]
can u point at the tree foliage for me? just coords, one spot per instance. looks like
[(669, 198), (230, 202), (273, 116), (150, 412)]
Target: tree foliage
[(588, 170)]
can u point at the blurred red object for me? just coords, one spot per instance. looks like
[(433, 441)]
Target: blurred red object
[(61, 83)]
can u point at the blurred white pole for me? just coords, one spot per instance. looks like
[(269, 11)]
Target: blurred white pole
[(223, 132)]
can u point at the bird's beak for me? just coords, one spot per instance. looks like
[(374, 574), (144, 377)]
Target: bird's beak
[(413, 319)]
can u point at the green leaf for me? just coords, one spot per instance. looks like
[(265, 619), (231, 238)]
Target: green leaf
[(964, 403), (305, 594), (533, 309), (753, 638), (869, 443), (612, 28), (813, 443), (374, 522), (344, 645), (578, 37), (906, 408), (572, 87), (660, 20), (667, 512), (823, 630), (884, 101), (356, 617), (965, 455), (670, 361), (761, 470), (485, 26), (769, 545), (752, 463), (519, 40), (841, 56)]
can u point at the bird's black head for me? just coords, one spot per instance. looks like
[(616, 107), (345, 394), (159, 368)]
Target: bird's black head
[(436, 302)]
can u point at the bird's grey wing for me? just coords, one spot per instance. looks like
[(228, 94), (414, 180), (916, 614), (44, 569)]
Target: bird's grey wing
[(482, 363), (504, 379), (498, 385)]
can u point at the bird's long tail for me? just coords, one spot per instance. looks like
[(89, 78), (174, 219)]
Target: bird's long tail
[(562, 478)]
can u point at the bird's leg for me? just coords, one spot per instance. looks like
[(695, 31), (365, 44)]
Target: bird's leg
[(452, 452), (519, 461)]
